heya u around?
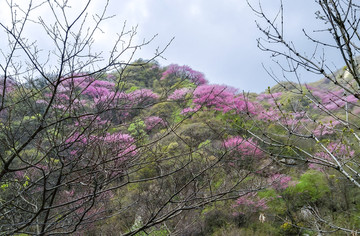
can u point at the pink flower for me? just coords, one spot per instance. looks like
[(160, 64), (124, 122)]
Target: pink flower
[(222, 98), (252, 202), (327, 128), (153, 121), (246, 148), (76, 138), (123, 144), (279, 181), (332, 100), (339, 150), (142, 94), (9, 84), (179, 94), (267, 96), (184, 72), (269, 115), (190, 110)]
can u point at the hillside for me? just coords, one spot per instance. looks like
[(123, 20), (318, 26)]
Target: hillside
[(160, 151)]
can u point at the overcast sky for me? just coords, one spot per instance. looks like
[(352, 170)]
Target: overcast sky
[(216, 37)]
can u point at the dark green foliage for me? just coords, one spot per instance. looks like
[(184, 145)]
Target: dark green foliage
[(143, 74)]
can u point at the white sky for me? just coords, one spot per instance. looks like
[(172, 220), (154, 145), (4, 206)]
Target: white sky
[(216, 37)]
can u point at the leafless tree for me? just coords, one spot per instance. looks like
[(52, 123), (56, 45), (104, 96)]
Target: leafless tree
[(310, 125), (341, 22)]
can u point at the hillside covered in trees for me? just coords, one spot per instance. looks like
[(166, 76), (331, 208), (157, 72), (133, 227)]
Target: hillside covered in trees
[(152, 150), (94, 142)]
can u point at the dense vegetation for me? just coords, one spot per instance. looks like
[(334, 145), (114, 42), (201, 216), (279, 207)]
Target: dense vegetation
[(161, 151), (92, 144)]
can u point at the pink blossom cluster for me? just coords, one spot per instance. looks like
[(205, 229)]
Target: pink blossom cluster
[(110, 97), (185, 72), (294, 119), (153, 121), (77, 81), (289, 119), (96, 92), (266, 96), (356, 110), (190, 109), (9, 85), (332, 100), (103, 83), (279, 181), (326, 128), (316, 166), (122, 144), (243, 147), (62, 96), (142, 94), (221, 98), (91, 119), (70, 87), (41, 101), (154, 67), (179, 94), (339, 150), (127, 100), (252, 201), (77, 138), (269, 114), (88, 85), (62, 100), (269, 98), (290, 122)]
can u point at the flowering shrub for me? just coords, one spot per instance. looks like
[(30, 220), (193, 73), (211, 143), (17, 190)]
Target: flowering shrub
[(270, 114), (251, 202), (153, 121), (122, 145), (339, 149), (221, 98), (190, 109), (326, 128), (279, 181), (332, 100), (142, 95), (9, 85), (242, 148), (179, 94), (268, 96), (185, 72)]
